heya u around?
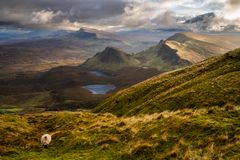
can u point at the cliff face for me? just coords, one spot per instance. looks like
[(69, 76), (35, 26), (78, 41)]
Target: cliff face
[(186, 48)]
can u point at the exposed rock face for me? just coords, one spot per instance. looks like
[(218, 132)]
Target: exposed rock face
[(170, 55)]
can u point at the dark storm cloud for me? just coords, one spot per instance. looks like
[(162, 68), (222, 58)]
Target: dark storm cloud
[(113, 14), (234, 2), (73, 10)]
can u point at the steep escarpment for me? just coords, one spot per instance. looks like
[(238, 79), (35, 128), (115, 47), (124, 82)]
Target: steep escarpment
[(161, 57), (183, 49)]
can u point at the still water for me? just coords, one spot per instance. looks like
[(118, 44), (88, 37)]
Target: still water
[(100, 88)]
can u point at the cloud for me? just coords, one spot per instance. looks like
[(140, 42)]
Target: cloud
[(148, 14), (56, 11), (231, 10), (166, 20), (115, 14), (234, 2), (44, 16)]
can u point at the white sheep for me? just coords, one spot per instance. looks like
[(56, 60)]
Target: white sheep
[(45, 140)]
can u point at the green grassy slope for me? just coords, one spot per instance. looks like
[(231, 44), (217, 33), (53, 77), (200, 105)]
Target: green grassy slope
[(110, 59), (183, 134), (214, 82)]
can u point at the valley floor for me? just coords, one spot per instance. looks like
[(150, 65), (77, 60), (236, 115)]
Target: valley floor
[(209, 133)]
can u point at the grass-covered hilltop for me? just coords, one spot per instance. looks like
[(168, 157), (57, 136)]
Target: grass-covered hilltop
[(191, 113)]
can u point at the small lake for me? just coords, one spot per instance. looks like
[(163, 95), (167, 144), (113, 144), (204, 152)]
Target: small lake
[(100, 88), (100, 74)]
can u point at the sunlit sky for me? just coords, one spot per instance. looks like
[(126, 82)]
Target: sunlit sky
[(115, 14)]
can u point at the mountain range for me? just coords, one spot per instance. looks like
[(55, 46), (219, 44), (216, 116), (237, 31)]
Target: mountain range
[(45, 53), (179, 50)]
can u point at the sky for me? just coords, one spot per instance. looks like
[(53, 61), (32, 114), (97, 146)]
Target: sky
[(116, 14)]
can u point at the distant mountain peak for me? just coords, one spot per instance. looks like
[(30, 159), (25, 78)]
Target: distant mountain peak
[(112, 55), (82, 33), (161, 42), (112, 49), (209, 22), (200, 18), (179, 37), (110, 58)]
